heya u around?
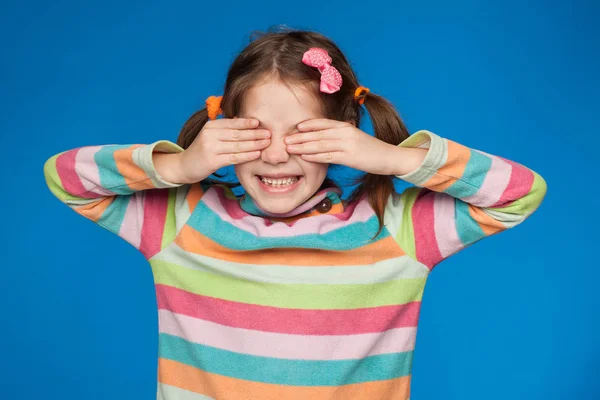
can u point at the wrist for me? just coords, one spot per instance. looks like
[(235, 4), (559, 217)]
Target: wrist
[(169, 167), (407, 160)]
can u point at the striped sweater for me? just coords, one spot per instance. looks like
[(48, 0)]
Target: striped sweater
[(307, 308)]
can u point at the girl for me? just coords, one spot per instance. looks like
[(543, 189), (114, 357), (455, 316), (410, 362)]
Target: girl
[(289, 292)]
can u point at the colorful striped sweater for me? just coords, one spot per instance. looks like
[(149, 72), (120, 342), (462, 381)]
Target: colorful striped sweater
[(310, 308)]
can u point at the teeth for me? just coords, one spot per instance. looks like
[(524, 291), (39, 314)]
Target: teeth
[(279, 182)]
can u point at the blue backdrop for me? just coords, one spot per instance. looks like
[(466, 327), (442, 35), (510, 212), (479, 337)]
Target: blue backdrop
[(513, 317)]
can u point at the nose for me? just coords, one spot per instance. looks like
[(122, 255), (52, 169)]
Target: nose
[(276, 152)]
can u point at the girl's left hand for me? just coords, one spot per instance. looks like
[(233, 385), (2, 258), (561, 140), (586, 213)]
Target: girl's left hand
[(330, 141)]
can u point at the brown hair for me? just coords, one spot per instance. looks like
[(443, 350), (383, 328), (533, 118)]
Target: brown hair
[(279, 52)]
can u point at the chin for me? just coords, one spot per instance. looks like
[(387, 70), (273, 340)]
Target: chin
[(277, 206)]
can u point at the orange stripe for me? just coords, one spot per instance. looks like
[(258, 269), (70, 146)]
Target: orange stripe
[(193, 241), (454, 168), (335, 209), (223, 387), (135, 177), (488, 225), (194, 195), (95, 210)]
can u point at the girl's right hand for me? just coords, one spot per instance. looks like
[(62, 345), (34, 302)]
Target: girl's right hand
[(220, 143)]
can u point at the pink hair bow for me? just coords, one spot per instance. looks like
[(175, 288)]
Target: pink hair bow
[(331, 79)]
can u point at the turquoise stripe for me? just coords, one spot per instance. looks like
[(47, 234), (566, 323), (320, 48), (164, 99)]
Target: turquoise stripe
[(285, 371), (348, 237), (249, 206), (110, 177), (473, 176), (112, 217), (467, 228)]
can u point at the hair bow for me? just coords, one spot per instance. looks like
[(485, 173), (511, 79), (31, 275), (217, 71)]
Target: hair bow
[(331, 79)]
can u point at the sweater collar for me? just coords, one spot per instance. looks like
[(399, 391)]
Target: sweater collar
[(325, 201)]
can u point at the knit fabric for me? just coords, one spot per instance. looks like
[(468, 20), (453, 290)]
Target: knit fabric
[(313, 307)]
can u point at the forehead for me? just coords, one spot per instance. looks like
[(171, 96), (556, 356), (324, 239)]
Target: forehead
[(277, 105)]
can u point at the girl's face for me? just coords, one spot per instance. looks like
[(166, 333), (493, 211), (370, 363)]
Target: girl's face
[(278, 181)]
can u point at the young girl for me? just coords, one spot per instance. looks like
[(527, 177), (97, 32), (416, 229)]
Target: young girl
[(289, 292)]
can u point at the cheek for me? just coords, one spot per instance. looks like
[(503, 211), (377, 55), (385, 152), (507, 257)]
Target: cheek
[(243, 171), (315, 170)]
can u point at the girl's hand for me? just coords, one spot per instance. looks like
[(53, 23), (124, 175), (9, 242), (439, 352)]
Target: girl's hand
[(220, 143), (331, 141)]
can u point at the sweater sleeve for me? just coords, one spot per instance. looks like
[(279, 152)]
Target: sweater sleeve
[(117, 187), (462, 195)]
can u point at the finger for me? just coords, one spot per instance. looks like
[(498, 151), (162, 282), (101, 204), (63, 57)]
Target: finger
[(232, 123), (319, 146), (239, 158), (320, 123), (242, 135), (321, 134), (241, 147), (330, 157)]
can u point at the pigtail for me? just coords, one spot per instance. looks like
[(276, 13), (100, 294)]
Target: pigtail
[(389, 127), (192, 128)]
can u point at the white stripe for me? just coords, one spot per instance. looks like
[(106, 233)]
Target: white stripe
[(444, 222), (494, 184), (285, 345), (168, 392), (392, 216), (87, 170), (131, 227)]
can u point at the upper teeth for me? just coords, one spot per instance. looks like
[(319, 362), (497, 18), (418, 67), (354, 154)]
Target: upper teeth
[(285, 181)]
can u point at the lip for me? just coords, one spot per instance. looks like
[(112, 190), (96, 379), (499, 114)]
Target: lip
[(276, 189)]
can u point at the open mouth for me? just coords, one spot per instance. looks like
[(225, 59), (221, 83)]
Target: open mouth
[(283, 181), (279, 184)]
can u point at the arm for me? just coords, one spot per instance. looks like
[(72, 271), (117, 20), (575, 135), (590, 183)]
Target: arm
[(462, 196), (119, 188)]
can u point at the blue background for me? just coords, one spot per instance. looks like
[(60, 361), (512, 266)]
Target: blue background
[(513, 317)]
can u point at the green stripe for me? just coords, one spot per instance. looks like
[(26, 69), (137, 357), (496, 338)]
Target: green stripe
[(304, 296), (406, 233), (528, 203)]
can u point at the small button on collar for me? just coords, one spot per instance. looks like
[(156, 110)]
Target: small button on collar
[(324, 205)]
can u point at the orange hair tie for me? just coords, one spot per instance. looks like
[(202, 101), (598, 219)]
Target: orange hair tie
[(213, 106), (360, 93)]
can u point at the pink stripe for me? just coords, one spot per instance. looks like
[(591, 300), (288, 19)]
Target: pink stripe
[(424, 229), (280, 345), (494, 183), (132, 221), (155, 214), (445, 224), (65, 167), (87, 169), (229, 211), (287, 320), (521, 181)]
